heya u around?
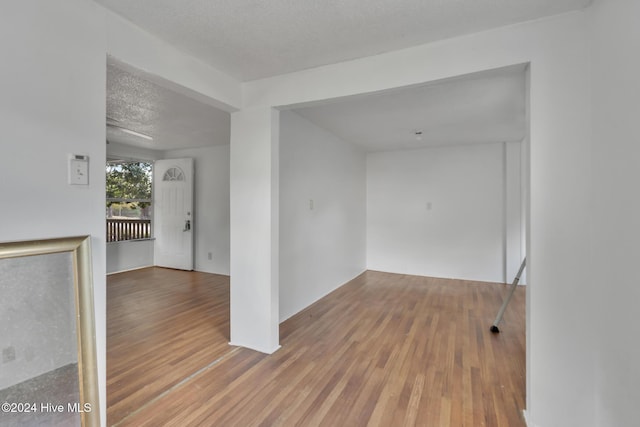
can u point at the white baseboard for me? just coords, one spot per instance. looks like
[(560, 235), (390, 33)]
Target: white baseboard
[(129, 269)]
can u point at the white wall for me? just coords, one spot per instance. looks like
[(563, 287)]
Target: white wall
[(129, 255), (254, 206), (211, 219), (514, 226), (439, 211), (322, 213), (560, 333), (53, 79), (616, 175)]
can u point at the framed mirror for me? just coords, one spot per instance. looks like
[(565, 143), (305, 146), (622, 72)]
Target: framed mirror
[(48, 372)]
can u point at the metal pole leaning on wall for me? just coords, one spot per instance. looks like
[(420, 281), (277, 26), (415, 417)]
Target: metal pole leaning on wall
[(494, 327)]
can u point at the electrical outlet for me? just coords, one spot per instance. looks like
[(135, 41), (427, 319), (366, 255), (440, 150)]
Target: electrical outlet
[(210, 256), (8, 354)]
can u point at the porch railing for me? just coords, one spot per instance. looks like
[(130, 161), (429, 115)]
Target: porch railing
[(128, 229)]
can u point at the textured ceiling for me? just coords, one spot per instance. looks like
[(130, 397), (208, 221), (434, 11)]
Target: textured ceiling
[(250, 39), (477, 108), (172, 119)]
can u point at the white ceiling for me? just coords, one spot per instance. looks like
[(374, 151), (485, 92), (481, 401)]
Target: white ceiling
[(250, 39), (172, 119), (478, 108)]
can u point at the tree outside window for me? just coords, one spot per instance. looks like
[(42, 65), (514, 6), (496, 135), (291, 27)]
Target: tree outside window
[(128, 198)]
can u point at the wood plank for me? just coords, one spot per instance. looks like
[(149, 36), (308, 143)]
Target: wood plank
[(383, 350)]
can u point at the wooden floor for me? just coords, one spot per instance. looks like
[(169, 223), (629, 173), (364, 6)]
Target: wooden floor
[(162, 327), (383, 350)]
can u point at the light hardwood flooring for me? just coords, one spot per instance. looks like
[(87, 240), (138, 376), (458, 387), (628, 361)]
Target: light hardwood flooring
[(383, 350)]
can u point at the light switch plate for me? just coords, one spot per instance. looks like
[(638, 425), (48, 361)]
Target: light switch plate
[(78, 169)]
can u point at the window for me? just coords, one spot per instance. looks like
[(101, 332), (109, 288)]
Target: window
[(128, 200), (173, 174)]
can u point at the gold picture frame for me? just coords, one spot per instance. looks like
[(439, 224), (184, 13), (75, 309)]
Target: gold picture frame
[(79, 248)]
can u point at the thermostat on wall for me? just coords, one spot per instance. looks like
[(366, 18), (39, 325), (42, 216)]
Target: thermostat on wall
[(78, 169)]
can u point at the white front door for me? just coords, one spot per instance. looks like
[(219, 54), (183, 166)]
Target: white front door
[(173, 213)]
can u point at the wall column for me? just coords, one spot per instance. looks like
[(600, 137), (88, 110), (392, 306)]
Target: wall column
[(514, 217), (254, 229)]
